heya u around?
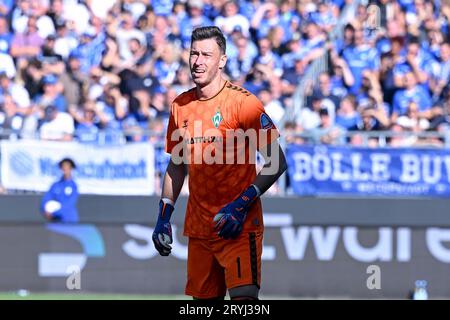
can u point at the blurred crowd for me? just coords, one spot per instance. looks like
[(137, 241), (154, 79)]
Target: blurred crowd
[(389, 71), (107, 70)]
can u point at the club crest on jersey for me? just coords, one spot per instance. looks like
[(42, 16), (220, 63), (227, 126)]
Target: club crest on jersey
[(266, 122), (216, 119)]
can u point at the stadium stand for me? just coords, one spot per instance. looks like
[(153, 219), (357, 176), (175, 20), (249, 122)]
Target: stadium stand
[(331, 72)]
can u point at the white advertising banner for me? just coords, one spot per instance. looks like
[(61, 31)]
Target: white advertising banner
[(110, 170)]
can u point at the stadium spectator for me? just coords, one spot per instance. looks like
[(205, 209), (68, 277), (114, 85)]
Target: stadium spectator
[(17, 92), (360, 57), (292, 76), (87, 130), (309, 116), (327, 132), (324, 90), (59, 203), (52, 94), (412, 120), (136, 47), (240, 62), (56, 125), (28, 43), (442, 79), (231, 18), (342, 78), (74, 81), (182, 80), (11, 121), (412, 92), (258, 79), (194, 19), (347, 117), (272, 106), (5, 35)]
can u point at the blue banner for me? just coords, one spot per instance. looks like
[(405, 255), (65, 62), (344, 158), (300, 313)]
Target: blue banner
[(327, 170)]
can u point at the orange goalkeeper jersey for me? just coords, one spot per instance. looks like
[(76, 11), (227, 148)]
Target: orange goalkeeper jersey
[(218, 138)]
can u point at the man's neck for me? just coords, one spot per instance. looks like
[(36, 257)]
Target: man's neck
[(211, 89)]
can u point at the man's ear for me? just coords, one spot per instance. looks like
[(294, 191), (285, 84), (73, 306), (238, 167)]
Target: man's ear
[(223, 61)]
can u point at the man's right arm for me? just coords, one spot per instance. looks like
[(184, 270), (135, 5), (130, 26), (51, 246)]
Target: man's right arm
[(173, 181), (172, 184)]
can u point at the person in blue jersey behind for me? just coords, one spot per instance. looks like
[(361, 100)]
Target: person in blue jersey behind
[(59, 203)]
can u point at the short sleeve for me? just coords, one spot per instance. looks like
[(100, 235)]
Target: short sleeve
[(252, 116), (171, 142)]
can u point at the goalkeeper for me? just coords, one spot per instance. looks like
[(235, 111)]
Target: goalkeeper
[(223, 222)]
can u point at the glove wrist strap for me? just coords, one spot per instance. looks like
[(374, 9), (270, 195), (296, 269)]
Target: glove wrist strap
[(258, 192), (165, 209)]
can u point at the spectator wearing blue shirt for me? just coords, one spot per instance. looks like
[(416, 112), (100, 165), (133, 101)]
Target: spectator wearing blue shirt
[(59, 203), (412, 93), (266, 17), (291, 77), (256, 80), (6, 6), (342, 77), (324, 17), (417, 61), (347, 117), (52, 94), (315, 38), (269, 58), (240, 63), (162, 7), (249, 8), (359, 57), (442, 80), (324, 91), (86, 129), (194, 19)]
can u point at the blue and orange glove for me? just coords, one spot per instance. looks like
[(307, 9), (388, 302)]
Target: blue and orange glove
[(228, 223), (162, 235)]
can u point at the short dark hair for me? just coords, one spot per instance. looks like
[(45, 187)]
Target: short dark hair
[(68, 160), (210, 32)]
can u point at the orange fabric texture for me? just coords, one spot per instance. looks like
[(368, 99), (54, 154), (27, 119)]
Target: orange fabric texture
[(203, 127), (216, 265)]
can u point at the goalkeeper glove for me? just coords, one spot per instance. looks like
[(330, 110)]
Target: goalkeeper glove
[(229, 221), (162, 235)]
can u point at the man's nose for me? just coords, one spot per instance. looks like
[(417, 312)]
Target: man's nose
[(199, 60)]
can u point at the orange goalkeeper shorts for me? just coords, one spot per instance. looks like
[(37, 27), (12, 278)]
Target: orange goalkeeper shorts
[(217, 265)]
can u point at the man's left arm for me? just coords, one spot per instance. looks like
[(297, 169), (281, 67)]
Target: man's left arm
[(274, 166), (228, 223)]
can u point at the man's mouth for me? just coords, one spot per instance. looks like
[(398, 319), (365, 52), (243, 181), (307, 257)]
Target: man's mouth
[(198, 72)]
